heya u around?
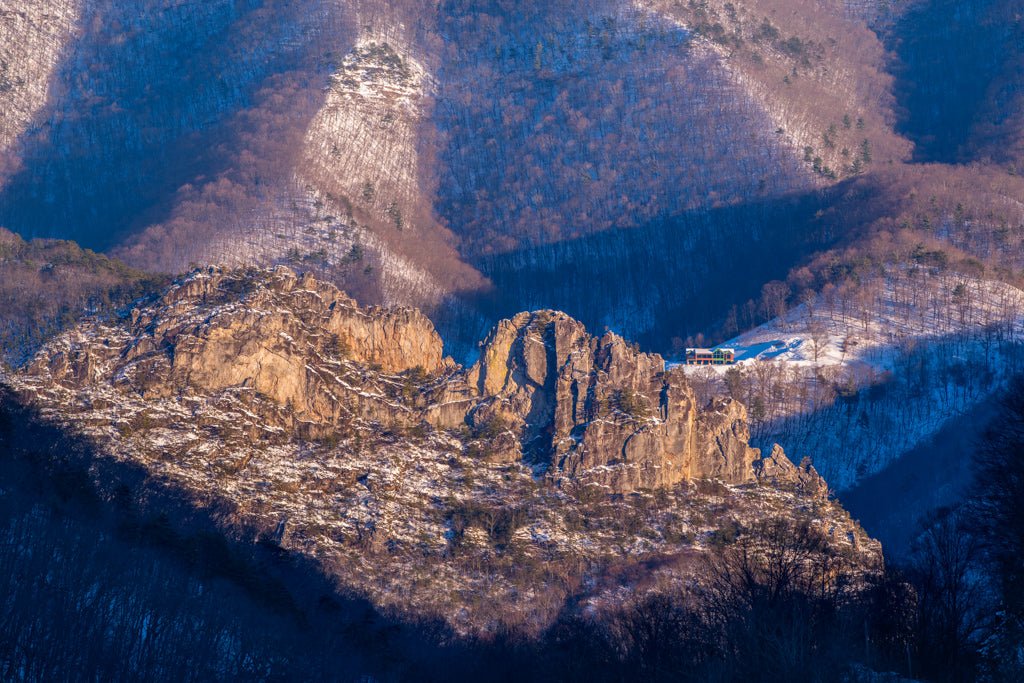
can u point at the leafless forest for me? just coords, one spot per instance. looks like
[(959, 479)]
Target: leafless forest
[(843, 176)]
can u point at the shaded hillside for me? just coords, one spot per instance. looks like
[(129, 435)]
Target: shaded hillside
[(140, 105), (109, 574), (958, 75), (32, 39), (933, 475), (998, 130), (669, 279)]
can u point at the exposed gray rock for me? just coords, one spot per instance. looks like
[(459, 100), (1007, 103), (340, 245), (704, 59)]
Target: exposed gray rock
[(595, 408)]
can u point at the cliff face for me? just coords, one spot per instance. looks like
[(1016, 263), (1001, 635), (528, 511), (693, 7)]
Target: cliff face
[(269, 333), (596, 408), (545, 392)]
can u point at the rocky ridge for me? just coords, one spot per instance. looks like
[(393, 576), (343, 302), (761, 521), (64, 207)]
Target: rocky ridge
[(344, 433), (545, 391), (598, 409)]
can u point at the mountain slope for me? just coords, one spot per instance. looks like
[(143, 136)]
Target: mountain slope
[(47, 285), (355, 138), (342, 435), (959, 79), (32, 38)]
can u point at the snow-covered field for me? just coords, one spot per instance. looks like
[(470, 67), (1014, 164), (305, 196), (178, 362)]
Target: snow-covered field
[(822, 333)]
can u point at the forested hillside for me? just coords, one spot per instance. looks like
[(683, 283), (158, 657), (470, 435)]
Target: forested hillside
[(835, 188), (958, 80), (46, 285), (402, 148), (355, 137)]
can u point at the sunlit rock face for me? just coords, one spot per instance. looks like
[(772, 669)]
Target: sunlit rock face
[(595, 408), (573, 406), (271, 333)]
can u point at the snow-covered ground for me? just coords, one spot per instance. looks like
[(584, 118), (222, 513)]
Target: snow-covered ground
[(931, 307), (854, 384)]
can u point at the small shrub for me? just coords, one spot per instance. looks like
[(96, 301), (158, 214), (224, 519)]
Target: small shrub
[(725, 535), (632, 404), (490, 427)]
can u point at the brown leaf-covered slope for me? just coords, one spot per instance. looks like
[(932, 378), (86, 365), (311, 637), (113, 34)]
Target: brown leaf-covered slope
[(819, 72), (342, 137), (175, 133), (476, 159), (47, 285), (342, 433)]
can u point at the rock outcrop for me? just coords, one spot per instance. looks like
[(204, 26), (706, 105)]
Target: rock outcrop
[(571, 405), (290, 341), (779, 471), (597, 409)]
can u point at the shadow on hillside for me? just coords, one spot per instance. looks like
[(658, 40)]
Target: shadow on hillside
[(150, 99), (948, 53), (663, 281), (934, 474), (901, 446), (108, 567)]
